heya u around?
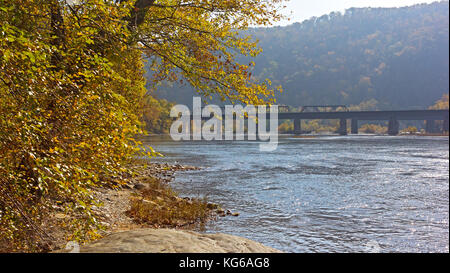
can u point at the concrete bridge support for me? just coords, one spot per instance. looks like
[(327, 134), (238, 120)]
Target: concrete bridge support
[(354, 126), (393, 127), (342, 127), (297, 126), (431, 127)]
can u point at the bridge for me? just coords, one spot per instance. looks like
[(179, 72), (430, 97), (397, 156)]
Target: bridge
[(431, 116), (342, 113)]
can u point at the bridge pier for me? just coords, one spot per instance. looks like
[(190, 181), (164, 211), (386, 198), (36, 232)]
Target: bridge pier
[(342, 127), (431, 127), (393, 127), (445, 125), (354, 126), (297, 126)]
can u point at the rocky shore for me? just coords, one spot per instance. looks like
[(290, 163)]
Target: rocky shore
[(135, 217)]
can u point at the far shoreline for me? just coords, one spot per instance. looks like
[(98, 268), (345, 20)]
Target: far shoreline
[(323, 135)]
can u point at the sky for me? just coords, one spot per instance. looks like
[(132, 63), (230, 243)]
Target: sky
[(305, 9)]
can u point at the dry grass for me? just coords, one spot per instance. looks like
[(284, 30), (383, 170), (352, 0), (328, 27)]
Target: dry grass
[(158, 205)]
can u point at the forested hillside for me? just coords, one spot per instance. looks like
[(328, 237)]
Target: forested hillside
[(397, 56)]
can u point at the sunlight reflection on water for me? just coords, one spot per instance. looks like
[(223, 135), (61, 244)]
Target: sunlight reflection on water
[(330, 194)]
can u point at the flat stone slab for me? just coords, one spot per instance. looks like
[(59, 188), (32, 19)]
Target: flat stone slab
[(173, 241)]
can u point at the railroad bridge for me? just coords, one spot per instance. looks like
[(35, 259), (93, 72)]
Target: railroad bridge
[(431, 116), (342, 113)]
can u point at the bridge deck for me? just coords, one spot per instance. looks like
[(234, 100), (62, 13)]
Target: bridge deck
[(367, 115), (371, 115)]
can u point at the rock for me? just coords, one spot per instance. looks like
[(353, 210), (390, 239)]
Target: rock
[(139, 186), (173, 241), (212, 206), (176, 199), (228, 212), (220, 211), (150, 202), (61, 216), (235, 214)]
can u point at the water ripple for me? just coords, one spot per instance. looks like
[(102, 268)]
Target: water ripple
[(333, 194)]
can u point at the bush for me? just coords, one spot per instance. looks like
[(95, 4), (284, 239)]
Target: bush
[(159, 206)]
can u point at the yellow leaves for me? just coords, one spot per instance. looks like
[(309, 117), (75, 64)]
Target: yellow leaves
[(93, 97), (65, 123), (202, 45), (442, 103), (75, 105), (153, 153), (56, 150)]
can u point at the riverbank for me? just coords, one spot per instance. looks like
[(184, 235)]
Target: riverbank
[(145, 215)]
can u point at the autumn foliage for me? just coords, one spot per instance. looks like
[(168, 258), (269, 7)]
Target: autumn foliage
[(72, 89), (441, 104)]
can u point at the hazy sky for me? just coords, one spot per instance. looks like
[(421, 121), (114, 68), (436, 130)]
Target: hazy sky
[(305, 9)]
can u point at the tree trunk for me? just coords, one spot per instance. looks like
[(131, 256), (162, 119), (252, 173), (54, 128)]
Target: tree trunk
[(138, 13)]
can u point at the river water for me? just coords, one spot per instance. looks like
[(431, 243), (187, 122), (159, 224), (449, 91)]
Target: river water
[(325, 194)]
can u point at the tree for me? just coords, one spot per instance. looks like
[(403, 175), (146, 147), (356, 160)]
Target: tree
[(441, 104), (197, 41), (72, 89), (156, 115)]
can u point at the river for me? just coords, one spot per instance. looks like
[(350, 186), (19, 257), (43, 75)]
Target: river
[(324, 194)]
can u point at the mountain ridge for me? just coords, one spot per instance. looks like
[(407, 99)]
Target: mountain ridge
[(395, 57)]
